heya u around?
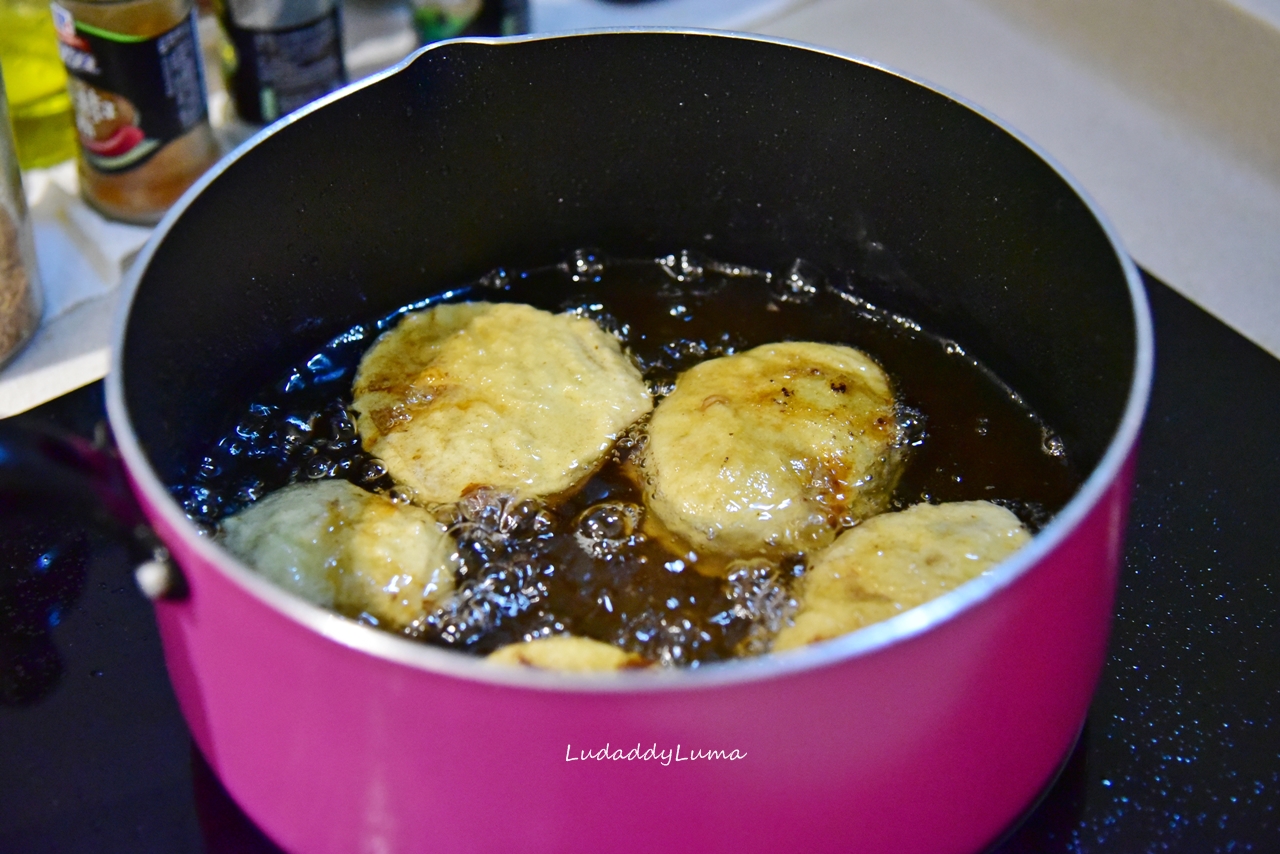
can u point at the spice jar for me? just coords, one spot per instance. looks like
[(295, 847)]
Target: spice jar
[(19, 284), (137, 85), (281, 54)]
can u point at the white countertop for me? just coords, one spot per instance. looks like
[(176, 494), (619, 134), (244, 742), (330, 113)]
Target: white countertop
[(1167, 112)]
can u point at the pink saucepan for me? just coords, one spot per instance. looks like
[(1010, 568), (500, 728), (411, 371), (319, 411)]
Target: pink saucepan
[(925, 734)]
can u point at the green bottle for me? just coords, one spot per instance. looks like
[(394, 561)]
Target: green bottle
[(443, 19)]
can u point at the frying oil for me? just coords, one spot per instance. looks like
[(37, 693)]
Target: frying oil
[(584, 566)]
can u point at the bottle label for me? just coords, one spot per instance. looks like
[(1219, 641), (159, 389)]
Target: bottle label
[(274, 71), (131, 94)]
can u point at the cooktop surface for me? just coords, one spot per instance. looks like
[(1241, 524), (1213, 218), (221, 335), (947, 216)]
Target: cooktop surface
[(1181, 751)]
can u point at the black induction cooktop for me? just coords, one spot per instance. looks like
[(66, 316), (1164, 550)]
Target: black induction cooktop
[(1181, 752)]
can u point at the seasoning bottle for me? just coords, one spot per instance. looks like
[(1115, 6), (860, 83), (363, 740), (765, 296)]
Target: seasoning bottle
[(443, 19), (137, 85), (19, 284), (36, 84), (281, 54)]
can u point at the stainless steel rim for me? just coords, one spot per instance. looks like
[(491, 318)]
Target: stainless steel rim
[(445, 662)]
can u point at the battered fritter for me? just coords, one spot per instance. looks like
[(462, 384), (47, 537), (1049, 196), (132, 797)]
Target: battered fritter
[(771, 451), (339, 546), (565, 652), (896, 561), (499, 395)]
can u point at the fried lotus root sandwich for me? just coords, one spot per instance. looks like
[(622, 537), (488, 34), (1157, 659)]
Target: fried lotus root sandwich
[(569, 653), (771, 451), (896, 561), (342, 547), (500, 395)]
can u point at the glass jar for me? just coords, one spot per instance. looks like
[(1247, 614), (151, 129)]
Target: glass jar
[(36, 84), (19, 283), (137, 85)]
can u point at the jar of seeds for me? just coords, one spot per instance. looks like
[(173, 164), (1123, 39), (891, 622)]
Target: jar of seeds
[(19, 285)]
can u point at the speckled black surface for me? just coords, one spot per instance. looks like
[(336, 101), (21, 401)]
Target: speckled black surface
[(1182, 748), (1181, 752)]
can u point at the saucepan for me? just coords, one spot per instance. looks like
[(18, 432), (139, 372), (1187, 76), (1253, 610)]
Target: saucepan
[(930, 732)]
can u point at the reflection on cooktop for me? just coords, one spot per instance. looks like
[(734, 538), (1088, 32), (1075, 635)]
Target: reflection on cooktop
[(43, 558)]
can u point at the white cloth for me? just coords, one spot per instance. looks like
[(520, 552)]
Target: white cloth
[(81, 258), (80, 254)]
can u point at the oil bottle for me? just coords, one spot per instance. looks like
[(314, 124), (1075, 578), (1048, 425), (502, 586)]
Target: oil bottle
[(36, 84)]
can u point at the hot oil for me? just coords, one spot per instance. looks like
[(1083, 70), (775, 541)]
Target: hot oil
[(584, 566)]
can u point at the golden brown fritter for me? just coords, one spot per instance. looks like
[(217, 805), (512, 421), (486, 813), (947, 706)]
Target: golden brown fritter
[(566, 652), (771, 451), (499, 395), (339, 546), (896, 561)]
